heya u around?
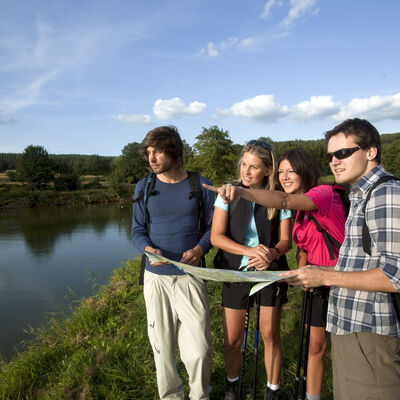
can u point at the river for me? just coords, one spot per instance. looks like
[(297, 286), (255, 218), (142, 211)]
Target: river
[(50, 257)]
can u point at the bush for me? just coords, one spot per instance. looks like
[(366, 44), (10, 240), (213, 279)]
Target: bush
[(67, 182), (94, 184)]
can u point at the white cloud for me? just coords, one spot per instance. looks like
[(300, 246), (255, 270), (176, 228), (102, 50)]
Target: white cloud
[(216, 49), (175, 107), (375, 108), (135, 118), (268, 7), (210, 50), (297, 9), (265, 108), (316, 107), (262, 107)]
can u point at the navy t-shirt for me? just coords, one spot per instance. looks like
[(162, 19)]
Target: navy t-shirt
[(173, 222)]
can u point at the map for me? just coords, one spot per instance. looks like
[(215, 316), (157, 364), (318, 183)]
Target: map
[(262, 278)]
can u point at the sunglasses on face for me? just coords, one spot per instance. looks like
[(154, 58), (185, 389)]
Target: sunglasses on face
[(260, 143), (342, 153)]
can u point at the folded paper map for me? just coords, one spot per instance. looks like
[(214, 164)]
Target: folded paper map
[(264, 278)]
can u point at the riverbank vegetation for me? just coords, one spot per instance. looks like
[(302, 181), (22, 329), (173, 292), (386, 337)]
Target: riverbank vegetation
[(101, 350), (213, 155)]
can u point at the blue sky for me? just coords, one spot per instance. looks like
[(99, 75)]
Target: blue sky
[(90, 76)]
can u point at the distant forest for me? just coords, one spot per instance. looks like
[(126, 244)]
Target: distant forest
[(213, 154), (84, 164)]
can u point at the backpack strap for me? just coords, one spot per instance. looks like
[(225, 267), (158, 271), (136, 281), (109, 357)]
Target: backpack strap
[(197, 191), (328, 238), (148, 191), (366, 237)]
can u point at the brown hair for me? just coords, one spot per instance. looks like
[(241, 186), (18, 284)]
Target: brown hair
[(364, 133), (166, 139)]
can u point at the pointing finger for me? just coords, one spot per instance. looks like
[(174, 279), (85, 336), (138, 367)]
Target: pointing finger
[(210, 187)]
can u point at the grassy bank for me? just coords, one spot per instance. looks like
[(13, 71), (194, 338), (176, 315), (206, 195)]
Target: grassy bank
[(101, 350)]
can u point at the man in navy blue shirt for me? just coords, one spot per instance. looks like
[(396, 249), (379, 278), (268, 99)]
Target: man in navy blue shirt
[(176, 303)]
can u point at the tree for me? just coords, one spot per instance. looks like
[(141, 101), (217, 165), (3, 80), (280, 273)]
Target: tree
[(97, 165), (127, 168), (214, 155), (390, 157), (187, 151), (35, 167), (133, 163)]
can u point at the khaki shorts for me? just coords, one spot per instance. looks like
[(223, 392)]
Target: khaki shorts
[(366, 366)]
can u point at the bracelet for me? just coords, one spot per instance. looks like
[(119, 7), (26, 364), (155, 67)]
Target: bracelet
[(279, 253)]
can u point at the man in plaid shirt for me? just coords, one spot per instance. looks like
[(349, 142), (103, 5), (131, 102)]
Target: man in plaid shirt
[(365, 330)]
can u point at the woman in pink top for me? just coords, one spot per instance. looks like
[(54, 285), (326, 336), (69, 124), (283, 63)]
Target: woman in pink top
[(299, 176)]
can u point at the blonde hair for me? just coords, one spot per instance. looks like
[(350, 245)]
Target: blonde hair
[(265, 152)]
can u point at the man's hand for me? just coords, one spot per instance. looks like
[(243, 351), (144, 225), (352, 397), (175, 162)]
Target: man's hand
[(192, 256), (156, 251), (309, 276), (227, 192)]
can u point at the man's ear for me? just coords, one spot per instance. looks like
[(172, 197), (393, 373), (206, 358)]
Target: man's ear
[(372, 153)]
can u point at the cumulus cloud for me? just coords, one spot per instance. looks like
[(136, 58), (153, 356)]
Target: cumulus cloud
[(316, 107), (268, 7), (175, 107), (297, 9), (266, 108), (135, 118), (375, 108), (262, 107)]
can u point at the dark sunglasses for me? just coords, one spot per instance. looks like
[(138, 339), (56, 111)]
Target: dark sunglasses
[(342, 153), (260, 143)]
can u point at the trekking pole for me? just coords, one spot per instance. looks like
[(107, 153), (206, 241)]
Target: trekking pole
[(246, 329), (256, 336), (300, 352), (310, 294)]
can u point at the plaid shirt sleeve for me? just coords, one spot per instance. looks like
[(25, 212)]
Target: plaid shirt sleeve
[(383, 219)]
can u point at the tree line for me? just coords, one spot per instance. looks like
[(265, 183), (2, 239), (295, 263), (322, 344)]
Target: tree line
[(214, 155)]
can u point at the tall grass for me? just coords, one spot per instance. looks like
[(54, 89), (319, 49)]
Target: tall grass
[(101, 350)]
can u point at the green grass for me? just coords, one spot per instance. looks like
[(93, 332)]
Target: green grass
[(101, 350)]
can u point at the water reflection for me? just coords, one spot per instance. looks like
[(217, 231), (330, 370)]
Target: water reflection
[(42, 227), (45, 251)]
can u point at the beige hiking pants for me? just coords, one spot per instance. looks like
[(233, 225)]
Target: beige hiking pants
[(178, 315)]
